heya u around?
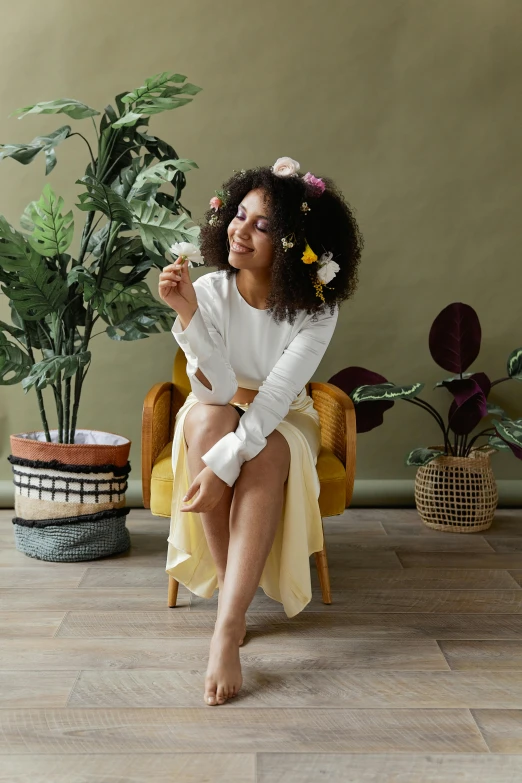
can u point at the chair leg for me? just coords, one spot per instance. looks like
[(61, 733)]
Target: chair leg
[(173, 591), (321, 562)]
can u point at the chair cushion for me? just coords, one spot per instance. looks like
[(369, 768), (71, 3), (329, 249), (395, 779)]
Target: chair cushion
[(330, 469)]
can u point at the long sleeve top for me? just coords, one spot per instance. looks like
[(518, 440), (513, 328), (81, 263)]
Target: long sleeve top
[(237, 345)]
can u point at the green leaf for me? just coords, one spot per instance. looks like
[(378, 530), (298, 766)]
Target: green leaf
[(15, 364), (495, 410), (155, 96), (156, 176), (498, 443), (34, 289), (46, 372), (101, 197), (159, 228), (74, 109), (85, 279), (142, 322), (514, 364), (422, 456), (25, 153), (385, 391), (121, 301), (14, 331), (53, 232), (510, 430), (453, 378)]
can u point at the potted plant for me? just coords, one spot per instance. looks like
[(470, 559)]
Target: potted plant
[(455, 488), (70, 482)]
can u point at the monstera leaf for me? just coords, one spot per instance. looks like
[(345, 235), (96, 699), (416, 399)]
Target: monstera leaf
[(34, 289), (141, 323), (155, 96), (74, 109), (52, 233), (103, 198), (25, 153), (47, 371), (15, 364), (159, 228)]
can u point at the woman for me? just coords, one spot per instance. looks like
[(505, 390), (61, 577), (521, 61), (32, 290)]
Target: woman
[(246, 440)]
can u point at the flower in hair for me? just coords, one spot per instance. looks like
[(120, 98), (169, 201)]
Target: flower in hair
[(304, 207), (216, 203), (308, 256), (316, 183), (327, 268), (286, 167)]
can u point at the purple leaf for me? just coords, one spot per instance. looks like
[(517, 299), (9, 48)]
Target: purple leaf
[(368, 414), (469, 406), (455, 336)]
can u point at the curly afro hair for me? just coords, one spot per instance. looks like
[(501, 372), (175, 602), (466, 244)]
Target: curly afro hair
[(328, 226)]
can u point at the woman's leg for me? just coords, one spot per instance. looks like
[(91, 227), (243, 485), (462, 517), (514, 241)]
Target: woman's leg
[(203, 426), (254, 516)]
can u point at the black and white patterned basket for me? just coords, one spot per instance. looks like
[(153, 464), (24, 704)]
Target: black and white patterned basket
[(70, 498)]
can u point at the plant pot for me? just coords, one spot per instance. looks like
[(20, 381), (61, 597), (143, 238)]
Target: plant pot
[(457, 494), (70, 498)]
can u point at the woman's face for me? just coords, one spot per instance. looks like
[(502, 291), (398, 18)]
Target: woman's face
[(249, 228)]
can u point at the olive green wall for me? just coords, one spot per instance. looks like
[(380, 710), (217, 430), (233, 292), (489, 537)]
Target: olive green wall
[(413, 106)]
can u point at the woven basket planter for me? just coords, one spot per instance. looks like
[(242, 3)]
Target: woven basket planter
[(457, 494), (70, 498)]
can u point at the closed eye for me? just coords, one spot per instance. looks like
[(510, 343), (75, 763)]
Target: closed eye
[(264, 230)]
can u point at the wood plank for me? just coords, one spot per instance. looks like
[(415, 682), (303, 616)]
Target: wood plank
[(124, 768), (386, 600), (19, 688), (482, 560), (105, 731), (112, 599), (501, 729), (263, 687), (27, 623), (188, 653), (60, 576), (444, 542), (311, 625), (387, 768), (486, 655), (417, 578), (506, 544)]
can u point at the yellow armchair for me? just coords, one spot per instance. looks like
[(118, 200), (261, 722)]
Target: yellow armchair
[(335, 462)]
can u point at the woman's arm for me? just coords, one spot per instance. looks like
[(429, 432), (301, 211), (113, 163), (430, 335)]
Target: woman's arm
[(290, 374)]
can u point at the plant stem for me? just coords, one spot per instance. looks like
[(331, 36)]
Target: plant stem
[(70, 352), (39, 394), (483, 433), (90, 150), (500, 380), (436, 415)]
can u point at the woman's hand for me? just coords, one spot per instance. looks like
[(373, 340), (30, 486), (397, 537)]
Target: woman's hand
[(210, 488), (175, 287)]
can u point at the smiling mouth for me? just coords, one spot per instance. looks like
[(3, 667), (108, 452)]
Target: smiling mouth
[(237, 248)]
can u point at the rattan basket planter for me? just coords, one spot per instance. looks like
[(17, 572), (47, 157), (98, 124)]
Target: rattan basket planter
[(457, 494), (70, 498)]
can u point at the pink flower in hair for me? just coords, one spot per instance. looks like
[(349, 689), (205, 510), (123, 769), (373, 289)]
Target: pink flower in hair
[(316, 182)]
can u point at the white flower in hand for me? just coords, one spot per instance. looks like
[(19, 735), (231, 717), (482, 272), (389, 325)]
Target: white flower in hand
[(285, 167), (327, 268), (189, 251)]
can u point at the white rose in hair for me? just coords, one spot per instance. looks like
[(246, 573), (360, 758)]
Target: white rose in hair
[(188, 250), (327, 268), (285, 167)]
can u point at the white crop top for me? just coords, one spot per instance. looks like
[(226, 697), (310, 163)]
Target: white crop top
[(237, 345)]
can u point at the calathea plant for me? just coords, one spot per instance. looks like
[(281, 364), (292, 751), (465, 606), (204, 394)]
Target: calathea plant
[(454, 343), (57, 299)]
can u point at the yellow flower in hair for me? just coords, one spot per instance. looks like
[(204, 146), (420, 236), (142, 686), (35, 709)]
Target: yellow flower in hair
[(309, 256)]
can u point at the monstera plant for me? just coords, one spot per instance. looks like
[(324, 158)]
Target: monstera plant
[(454, 343), (57, 297)]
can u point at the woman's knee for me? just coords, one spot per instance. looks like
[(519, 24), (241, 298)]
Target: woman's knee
[(204, 422)]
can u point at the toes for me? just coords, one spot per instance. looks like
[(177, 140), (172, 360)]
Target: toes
[(220, 695), (210, 698)]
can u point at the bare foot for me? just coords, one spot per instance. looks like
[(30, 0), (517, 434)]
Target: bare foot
[(243, 624), (223, 678)]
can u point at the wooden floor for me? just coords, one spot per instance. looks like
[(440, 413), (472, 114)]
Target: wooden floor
[(413, 674)]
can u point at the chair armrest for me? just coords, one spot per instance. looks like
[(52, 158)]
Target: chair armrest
[(338, 427), (155, 431)]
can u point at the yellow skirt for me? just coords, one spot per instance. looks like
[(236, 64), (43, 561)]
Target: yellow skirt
[(286, 574)]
